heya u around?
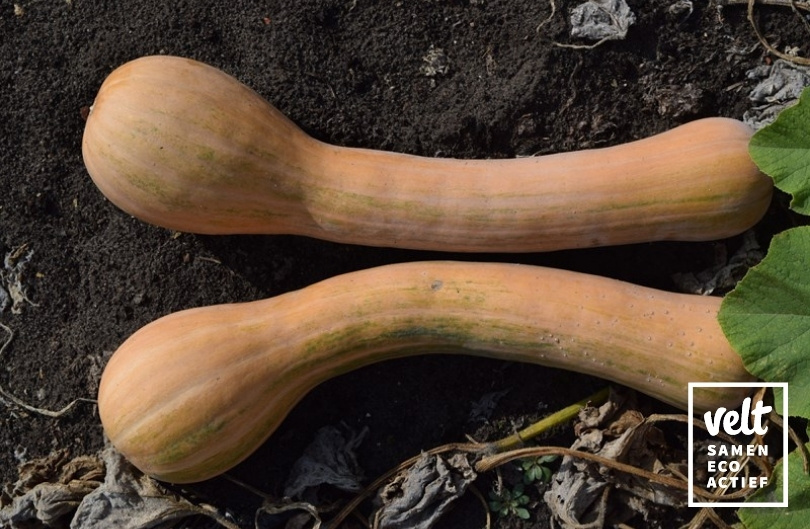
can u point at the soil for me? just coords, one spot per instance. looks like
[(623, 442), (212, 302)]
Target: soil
[(353, 73)]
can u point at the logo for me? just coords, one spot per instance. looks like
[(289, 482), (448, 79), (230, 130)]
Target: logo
[(722, 454)]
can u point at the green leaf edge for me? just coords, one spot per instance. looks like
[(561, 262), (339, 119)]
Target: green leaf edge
[(779, 253), (780, 134), (752, 517), (783, 518)]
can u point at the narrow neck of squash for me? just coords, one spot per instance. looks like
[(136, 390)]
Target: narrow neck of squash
[(655, 342)]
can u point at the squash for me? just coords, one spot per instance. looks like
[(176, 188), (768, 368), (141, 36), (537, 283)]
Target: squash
[(195, 392), (182, 145)]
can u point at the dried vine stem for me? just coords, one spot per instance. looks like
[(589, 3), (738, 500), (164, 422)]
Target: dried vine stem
[(490, 462), (553, 420), (494, 454), (557, 418), (7, 397), (475, 492), (804, 6), (549, 17), (803, 61)]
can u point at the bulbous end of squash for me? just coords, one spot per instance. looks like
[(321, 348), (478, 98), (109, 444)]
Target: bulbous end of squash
[(190, 395), (182, 145)]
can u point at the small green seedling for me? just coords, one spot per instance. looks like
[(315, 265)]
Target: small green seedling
[(537, 469), (509, 502)]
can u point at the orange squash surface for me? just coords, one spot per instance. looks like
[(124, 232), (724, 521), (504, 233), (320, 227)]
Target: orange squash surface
[(192, 394), (183, 145)]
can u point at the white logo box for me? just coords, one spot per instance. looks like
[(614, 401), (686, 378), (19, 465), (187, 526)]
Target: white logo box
[(691, 439)]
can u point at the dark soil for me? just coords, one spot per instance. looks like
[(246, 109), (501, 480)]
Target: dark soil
[(350, 73)]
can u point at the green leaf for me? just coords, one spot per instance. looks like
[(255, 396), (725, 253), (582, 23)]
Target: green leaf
[(523, 500), (766, 318), (522, 513), (796, 514), (782, 151)]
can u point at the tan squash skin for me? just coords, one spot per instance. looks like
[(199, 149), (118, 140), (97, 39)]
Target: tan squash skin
[(192, 394), (182, 145)]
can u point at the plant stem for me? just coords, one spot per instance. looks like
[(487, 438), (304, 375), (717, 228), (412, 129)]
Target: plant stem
[(555, 419)]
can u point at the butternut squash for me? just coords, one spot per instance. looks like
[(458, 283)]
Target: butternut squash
[(193, 393), (183, 145)]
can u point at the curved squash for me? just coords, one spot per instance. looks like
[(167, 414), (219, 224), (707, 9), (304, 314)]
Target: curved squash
[(182, 145), (192, 394)]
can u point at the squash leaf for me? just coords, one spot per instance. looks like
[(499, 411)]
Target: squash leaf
[(796, 514), (782, 151), (766, 318)]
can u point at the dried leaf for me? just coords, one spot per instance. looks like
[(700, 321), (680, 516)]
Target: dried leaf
[(579, 490), (329, 460), (601, 20), (418, 497), (130, 500), (49, 490), (12, 279)]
